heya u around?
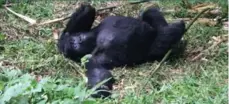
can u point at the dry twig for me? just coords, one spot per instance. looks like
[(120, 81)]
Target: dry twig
[(204, 21), (218, 41), (98, 10), (196, 17), (193, 9), (51, 21), (27, 19), (33, 22)]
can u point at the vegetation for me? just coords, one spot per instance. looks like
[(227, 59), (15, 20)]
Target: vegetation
[(32, 70)]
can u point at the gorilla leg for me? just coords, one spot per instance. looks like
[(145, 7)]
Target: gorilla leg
[(167, 34), (77, 40), (154, 18), (81, 20), (97, 73)]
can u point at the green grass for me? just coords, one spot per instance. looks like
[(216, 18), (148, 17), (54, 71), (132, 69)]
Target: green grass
[(26, 54)]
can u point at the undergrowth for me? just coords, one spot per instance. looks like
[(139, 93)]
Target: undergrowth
[(33, 71)]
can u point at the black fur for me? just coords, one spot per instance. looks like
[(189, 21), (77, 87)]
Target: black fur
[(77, 38), (118, 41), (168, 34)]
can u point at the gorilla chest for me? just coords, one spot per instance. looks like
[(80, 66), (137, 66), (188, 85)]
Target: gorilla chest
[(125, 43), (124, 33)]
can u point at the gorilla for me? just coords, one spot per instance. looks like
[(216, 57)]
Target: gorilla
[(116, 41)]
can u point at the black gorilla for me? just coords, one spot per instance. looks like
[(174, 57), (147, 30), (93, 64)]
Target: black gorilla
[(117, 41)]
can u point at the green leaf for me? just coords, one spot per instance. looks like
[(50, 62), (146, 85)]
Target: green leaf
[(89, 102), (85, 59), (79, 93), (49, 86), (42, 102), (40, 85), (2, 85), (61, 87), (2, 36), (12, 73), (23, 100), (14, 91)]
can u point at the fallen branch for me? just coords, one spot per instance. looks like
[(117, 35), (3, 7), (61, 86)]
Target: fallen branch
[(193, 9), (208, 49), (130, 3), (205, 21), (196, 17), (98, 10), (51, 21), (157, 67), (27, 19), (33, 22), (214, 12)]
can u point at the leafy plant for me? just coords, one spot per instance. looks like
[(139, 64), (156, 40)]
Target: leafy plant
[(25, 88)]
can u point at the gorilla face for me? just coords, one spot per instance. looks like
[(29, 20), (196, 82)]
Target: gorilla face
[(75, 46)]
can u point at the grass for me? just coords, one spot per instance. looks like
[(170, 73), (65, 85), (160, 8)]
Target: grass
[(33, 52)]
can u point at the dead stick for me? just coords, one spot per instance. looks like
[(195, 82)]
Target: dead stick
[(158, 66), (205, 21), (202, 53), (208, 49), (65, 18), (51, 21), (130, 3), (196, 17), (30, 20)]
